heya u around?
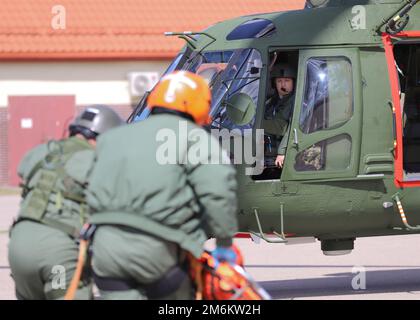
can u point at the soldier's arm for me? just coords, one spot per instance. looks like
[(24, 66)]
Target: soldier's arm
[(79, 165), (281, 150), (215, 187)]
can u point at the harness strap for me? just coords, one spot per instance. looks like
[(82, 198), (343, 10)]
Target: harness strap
[(162, 287), (196, 273), (74, 284)]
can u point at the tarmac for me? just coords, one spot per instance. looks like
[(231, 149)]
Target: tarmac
[(380, 268), (8, 209)]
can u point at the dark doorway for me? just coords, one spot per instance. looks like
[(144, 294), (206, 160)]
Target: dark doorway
[(407, 57)]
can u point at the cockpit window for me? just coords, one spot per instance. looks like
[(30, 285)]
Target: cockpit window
[(228, 73), (256, 28), (242, 75), (174, 63)]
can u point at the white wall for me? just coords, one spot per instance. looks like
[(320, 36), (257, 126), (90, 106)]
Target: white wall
[(91, 82)]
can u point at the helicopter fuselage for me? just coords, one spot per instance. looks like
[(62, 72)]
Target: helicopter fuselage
[(352, 163)]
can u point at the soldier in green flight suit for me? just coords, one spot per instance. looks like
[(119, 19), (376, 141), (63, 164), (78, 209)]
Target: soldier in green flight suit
[(279, 108), (152, 203), (43, 250)]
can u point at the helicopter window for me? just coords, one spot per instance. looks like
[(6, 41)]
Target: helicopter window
[(228, 73), (329, 155), (255, 28), (241, 75), (199, 60), (328, 95), (174, 63)]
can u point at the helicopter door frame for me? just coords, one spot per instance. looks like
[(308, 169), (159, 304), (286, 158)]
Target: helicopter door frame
[(397, 114), (300, 141)]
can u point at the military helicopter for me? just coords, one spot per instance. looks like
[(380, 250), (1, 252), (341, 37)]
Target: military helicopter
[(352, 164)]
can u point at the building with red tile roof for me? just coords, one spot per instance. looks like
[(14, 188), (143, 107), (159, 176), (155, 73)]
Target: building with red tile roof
[(57, 57), (124, 29)]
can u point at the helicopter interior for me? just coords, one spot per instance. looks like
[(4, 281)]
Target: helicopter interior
[(273, 139), (407, 56)]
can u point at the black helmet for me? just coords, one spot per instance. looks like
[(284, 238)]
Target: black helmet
[(95, 120), (283, 70)]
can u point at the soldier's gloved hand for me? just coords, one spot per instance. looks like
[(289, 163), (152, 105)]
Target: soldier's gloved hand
[(227, 254)]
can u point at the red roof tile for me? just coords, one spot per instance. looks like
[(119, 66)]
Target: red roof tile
[(114, 28)]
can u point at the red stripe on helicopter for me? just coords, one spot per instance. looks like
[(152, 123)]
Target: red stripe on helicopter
[(394, 82)]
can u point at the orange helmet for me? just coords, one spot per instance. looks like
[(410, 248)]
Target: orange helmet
[(184, 92)]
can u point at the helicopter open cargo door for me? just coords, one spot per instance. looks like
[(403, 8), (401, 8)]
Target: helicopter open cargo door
[(403, 58), (324, 139)]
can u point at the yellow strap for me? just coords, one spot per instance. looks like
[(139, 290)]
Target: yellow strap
[(59, 200), (199, 282), (74, 284), (82, 214), (197, 268)]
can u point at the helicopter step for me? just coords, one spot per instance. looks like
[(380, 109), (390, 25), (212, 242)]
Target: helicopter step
[(291, 241)]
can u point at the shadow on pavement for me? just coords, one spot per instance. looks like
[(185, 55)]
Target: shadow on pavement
[(389, 281)]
